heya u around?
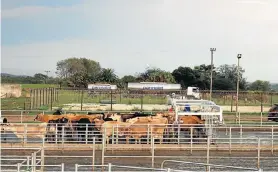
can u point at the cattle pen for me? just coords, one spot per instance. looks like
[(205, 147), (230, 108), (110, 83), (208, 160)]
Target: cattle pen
[(219, 141), (233, 146)]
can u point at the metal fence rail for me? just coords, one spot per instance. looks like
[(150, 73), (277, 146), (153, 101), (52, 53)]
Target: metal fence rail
[(230, 118), (208, 166), (38, 157), (119, 134), (226, 139)]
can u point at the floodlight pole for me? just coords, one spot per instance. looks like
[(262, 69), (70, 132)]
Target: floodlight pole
[(211, 71), (47, 71), (237, 86)]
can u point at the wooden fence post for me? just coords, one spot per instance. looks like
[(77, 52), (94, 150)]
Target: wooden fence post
[(81, 103), (51, 96), (31, 99), (261, 101)]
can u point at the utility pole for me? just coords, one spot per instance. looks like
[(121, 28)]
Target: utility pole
[(46, 71), (237, 86), (211, 71)]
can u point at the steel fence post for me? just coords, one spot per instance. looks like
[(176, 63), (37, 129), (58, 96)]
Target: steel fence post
[(28, 162), (178, 134), (272, 137), (76, 167), (42, 159), (18, 167), (208, 147), (148, 134), (103, 148), (117, 134), (191, 139), (230, 141), (240, 134), (56, 133), (63, 136), (62, 167), (152, 152), (25, 134), (259, 152), (86, 133), (109, 167), (94, 153)]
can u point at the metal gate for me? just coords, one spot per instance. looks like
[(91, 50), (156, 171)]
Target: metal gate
[(207, 110)]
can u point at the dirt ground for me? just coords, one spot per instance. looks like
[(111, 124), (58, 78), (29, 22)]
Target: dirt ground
[(150, 107), (246, 159)]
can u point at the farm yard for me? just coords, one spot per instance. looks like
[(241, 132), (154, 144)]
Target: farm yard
[(172, 86), (246, 141)]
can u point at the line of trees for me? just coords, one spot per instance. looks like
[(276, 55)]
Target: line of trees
[(79, 72)]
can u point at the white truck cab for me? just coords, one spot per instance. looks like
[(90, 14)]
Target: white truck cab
[(193, 92)]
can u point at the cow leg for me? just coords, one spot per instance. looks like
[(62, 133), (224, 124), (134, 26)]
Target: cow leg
[(107, 139), (127, 140)]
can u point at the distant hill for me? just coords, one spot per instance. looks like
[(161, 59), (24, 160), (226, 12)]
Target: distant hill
[(12, 75)]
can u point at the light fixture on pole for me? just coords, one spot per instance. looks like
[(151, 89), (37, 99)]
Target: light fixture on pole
[(237, 86), (46, 71), (211, 71)]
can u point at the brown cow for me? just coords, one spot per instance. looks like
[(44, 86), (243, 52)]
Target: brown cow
[(191, 121), (71, 117), (110, 127), (140, 125), (45, 118)]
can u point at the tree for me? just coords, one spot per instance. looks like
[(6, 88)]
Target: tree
[(220, 83), (230, 72), (108, 75), (260, 85), (125, 80), (128, 78), (185, 76), (155, 75), (78, 71), (203, 76), (40, 78)]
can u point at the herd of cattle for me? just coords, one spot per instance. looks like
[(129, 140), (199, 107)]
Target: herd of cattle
[(83, 127)]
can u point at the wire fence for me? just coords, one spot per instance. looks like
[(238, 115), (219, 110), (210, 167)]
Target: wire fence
[(48, 98)]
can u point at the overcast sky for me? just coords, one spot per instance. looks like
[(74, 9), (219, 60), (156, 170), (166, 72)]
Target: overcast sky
[(129, 35)]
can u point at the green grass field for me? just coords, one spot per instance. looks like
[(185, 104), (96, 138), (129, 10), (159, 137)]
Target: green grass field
[(38, 86), (73, 96)]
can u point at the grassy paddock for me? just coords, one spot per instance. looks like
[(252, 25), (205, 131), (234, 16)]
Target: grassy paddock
[(76, 96), (33, 86)]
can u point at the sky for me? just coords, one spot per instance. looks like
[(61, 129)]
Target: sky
[(130, 35)]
